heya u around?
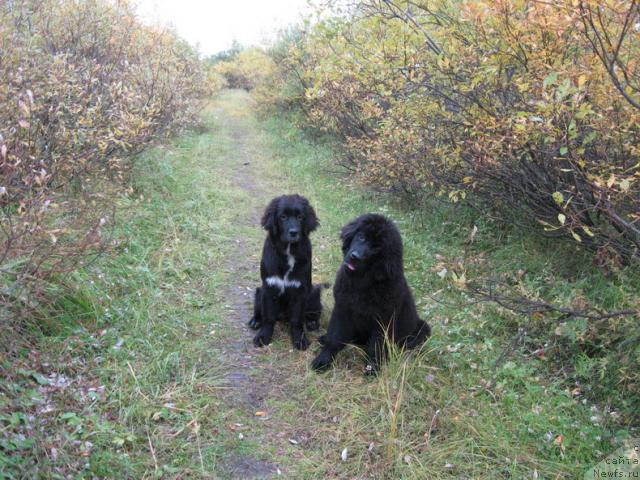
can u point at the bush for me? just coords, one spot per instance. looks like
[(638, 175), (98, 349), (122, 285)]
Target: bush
[(246, 69), (84, 87), (528, 109)]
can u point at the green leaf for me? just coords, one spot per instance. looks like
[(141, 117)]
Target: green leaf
[(563, 150), (550, 79), (558, 198), (625, 185), (41, 379)]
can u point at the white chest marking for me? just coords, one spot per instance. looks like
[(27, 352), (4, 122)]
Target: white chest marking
[(284, 282)]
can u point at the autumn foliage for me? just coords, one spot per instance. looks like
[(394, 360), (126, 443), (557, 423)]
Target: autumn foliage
[(247, 68), (530, 109), (83, 87)]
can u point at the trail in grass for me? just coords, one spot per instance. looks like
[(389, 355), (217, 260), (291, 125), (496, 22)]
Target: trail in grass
[(250, 381)]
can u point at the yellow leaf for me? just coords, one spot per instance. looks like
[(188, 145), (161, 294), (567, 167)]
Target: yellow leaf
[(588, 231), (582, 79), (558, 198)]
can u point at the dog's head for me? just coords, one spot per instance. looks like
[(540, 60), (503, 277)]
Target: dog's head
[(289, 218), (372, 244)]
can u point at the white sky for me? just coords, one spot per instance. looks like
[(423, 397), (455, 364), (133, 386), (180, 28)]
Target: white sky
[(214, 24)]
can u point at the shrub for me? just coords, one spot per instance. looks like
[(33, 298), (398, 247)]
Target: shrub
[(529, 109), (246, 69), (83, 87), (524, 110)]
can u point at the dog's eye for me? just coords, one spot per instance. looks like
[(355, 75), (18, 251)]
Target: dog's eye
[(300, 217), (283, 217), (360, 236)]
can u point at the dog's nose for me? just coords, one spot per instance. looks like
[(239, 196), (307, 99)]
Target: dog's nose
[(354, 255), (293, 232)]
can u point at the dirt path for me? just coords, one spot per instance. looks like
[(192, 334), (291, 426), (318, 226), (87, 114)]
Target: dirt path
[(251, 381)]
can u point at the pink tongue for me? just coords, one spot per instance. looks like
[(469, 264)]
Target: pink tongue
[(350, 267)]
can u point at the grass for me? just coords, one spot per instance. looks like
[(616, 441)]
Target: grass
[(135, 382)]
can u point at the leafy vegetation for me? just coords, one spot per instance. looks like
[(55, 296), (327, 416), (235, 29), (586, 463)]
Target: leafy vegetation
[(84, 88), (246, 68), (528, 109), (524, 112), (472, 124)]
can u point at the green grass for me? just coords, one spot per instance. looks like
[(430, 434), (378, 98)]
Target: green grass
[(149, 334), (510, 420)]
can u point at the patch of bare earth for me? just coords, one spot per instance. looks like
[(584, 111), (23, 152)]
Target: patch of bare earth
[(251, 383)]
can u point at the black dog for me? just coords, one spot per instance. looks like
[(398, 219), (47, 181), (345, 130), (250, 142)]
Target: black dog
[(372, 298), (285, 270)]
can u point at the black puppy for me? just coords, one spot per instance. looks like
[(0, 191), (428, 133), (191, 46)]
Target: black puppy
[(285, 270), (372, 298)]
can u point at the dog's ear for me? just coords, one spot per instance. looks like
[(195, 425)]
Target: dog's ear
[(270, 217), (348, 232), (310, 218)]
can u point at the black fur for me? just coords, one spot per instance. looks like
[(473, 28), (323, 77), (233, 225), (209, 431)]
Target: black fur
[(372, 297), (288, 219)]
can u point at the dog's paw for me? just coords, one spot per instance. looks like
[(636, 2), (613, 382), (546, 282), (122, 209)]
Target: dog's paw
[(321, 362), (254, 324), (370, 370), (261, 340), (322, 339), (313, 325), (301, 343)]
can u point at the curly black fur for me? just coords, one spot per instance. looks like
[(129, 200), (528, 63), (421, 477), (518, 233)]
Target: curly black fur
[(372, 297)]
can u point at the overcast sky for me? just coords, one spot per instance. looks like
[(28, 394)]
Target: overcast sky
[(214, 24)]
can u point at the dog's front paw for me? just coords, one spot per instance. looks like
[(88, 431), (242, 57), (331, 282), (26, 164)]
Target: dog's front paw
[(322, 339), (371, 369), (254, 324), (261, 339), (301, 343), (322, 361), (313, 325)]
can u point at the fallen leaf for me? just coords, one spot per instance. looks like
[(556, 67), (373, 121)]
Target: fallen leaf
[(625, 185), (344, 455)]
